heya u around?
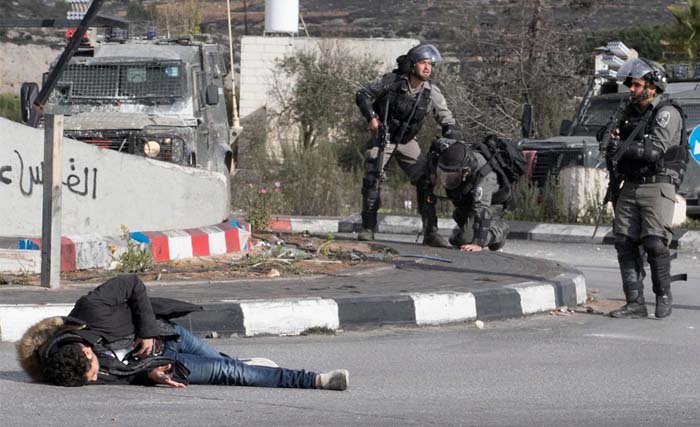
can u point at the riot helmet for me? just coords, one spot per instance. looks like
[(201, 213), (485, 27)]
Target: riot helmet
[(640, 68), (422, 52), (455, 165)]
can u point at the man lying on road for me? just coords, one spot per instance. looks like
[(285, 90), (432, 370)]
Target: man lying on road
[(116, 334)]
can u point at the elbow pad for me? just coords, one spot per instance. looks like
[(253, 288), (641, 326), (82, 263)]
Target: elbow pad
[(642, 151), (364, 103)]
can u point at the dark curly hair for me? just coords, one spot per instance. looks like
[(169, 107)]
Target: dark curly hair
[(67, 366)]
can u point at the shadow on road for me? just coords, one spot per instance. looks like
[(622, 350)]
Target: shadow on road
[(15, 376)]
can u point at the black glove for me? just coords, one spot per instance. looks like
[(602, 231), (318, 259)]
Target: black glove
[(612, 147), (450, 131)]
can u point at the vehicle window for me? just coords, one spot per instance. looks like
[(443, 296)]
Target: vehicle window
[(120, 81), (151, 81), (693, 113)]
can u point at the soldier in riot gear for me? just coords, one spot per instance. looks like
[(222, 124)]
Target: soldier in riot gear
[(471, 183), (648, 151), (403, 98)]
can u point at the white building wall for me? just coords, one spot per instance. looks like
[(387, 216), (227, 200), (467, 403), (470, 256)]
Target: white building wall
[(258, 56)]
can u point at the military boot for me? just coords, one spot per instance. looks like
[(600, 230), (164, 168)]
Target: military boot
[(371, 201), (661, 278), (435, 239), (632, 274), (634, 309), (663, 305), (366, 235), (426, 207)]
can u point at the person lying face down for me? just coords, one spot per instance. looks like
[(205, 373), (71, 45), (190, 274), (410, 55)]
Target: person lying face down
[(116, 334)]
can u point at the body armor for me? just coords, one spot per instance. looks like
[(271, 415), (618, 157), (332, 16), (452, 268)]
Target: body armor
[(642, 160)]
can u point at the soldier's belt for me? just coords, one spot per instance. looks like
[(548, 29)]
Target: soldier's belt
[(654, 179)]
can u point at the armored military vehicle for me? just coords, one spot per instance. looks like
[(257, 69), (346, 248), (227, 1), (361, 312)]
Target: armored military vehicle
[(577, 145), (161, 99)]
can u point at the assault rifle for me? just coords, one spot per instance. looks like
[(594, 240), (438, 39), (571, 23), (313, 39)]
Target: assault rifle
[(614, 179), (383, 139)]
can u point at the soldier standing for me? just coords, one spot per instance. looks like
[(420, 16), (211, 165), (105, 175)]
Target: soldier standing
[(471, 183), (403, 98), (648, 150)]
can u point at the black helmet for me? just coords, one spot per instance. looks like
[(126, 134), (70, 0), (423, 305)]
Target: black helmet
[(640, 68), (422, 52), (455, 165)]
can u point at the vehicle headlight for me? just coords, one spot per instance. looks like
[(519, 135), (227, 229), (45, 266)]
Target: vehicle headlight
[(151, 148)]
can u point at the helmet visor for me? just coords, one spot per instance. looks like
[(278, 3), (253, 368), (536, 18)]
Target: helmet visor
[(425, 51), (633, 69), (450, 179)]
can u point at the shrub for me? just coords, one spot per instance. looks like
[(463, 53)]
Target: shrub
[(10, 107), (136, 258)]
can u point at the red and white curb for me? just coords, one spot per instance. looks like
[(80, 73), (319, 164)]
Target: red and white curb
[(84, 252), (221, 239)]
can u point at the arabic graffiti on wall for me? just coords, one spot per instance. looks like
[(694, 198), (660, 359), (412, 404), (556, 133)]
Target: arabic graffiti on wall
[(82, 182)]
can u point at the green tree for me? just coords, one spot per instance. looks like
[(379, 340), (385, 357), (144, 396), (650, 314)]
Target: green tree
[(321, 97), (688, 17), (136, 10)]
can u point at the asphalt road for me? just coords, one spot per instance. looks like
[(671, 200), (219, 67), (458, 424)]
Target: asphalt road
[(573, 369)]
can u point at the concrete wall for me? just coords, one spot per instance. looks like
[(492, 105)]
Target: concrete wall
[(582, 187), (258, 56), (103, 189)]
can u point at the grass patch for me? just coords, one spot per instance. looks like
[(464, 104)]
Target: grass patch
[(691, 224), (10, 107), (318, 330)]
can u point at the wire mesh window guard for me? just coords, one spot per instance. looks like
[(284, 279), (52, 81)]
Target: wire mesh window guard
[(121, 81)]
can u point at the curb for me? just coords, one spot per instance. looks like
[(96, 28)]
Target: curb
[(84, 252), (683, 240), (293, 316)]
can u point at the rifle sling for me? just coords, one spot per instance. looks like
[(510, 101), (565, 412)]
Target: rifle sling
[(641, 125), (405, 124)]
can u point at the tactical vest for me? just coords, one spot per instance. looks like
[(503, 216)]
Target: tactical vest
[(675, 158), (503, 157), (406, 111)]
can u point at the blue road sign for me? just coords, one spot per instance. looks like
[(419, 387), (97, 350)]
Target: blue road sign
[(694, 142)]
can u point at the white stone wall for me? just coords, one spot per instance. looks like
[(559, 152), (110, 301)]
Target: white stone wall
[(581, 186), (103, 189), (258, 56)]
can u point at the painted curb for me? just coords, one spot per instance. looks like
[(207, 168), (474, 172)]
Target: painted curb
[(683, 240), (84, 252), (293, 316)]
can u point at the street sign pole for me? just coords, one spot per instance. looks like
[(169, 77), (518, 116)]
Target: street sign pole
[(51, 208)]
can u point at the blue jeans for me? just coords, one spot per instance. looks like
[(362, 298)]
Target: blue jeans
[(208, 366)]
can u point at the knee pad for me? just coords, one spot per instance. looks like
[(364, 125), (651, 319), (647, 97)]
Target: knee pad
[(369, 182), (626, 247), (655, 246)]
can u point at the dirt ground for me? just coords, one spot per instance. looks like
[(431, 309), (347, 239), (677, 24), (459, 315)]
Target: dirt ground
[(272, 255)]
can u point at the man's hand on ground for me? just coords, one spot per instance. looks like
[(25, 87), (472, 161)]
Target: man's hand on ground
[(143, 347), (470, 248), (163, 375)]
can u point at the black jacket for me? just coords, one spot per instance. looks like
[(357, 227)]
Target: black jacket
[(117, 312)]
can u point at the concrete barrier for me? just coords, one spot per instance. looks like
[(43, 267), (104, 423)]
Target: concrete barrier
[(103, 189)]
